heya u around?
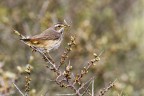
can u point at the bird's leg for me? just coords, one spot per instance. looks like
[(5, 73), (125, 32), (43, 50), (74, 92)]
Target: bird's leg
[(49, 57), (33, 49)]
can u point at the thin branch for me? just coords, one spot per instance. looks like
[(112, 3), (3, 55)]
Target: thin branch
[(92, 87), (107, 88), (120, 93), (19, 34), (86, 90), (82, 86), (18, 89), (46, 58), (84, 71), (66, 94), (65, 54)]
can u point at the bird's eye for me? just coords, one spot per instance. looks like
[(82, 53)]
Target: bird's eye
[(59, 26)]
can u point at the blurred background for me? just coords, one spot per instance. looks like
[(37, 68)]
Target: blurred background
[(112, 26)]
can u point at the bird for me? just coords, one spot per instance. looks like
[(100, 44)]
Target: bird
[(48, 40)]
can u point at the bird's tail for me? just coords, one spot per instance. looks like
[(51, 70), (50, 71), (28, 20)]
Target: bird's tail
[(29, 41), (25, 39)]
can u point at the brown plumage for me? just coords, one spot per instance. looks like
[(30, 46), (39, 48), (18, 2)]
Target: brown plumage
[(48, 39), (48, 34)]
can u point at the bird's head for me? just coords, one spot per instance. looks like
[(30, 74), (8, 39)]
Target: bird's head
[(60, 27)]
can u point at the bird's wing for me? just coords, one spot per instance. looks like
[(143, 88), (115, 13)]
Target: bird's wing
[(48, 34)]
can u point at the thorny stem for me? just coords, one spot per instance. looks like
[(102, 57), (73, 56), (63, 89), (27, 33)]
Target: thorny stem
[(67, 51), (107, 88), (27, 79), (85, 70), (70, 85)]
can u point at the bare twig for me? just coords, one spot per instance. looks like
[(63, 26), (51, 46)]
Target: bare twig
[(66, 94), (83, 86), (107, 88), (17, 33), (18, 89), (92, 87), (87, 89), (67, 51), (84, 71)]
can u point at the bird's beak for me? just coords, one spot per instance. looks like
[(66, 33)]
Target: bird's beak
[(66, 25), (61, 30)]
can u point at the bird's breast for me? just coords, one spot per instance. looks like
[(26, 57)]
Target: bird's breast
[(53, 44)]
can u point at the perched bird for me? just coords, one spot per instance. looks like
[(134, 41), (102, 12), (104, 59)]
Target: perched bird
[(49, 39)]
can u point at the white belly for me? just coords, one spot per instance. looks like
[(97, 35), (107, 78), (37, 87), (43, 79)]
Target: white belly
[(54, 45)]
